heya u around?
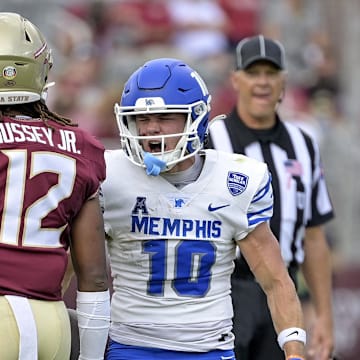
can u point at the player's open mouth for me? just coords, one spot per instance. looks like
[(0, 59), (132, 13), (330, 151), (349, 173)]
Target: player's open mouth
[(155, 146)]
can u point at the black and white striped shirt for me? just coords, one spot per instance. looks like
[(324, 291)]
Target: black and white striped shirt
[(301, 197)]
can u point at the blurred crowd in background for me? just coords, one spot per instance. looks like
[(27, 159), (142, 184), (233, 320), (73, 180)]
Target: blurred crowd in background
[(97, 44)]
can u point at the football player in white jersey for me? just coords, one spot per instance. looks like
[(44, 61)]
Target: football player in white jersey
[(174, 214)]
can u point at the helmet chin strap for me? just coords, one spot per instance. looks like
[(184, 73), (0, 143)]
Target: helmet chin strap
[(44, 93), (153, 165)]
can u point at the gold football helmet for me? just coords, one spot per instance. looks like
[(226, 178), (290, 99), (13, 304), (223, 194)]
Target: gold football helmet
[(25, 61)]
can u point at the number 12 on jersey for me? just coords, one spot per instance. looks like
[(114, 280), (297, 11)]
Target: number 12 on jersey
[(22, 167)]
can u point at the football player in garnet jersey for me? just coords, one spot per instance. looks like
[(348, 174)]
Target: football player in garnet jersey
[(174, 214), (50, 173)]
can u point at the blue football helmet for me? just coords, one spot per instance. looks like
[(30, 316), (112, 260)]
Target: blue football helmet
[(164, 86)]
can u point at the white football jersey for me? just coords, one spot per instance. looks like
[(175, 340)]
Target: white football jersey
[(172, 250)]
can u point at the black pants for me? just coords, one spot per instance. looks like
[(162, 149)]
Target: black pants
[(255, 336)]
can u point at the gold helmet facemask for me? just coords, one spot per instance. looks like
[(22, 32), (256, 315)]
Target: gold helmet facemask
[(25, 61)]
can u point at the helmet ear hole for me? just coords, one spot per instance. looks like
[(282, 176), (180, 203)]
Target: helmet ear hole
[(25, 59)]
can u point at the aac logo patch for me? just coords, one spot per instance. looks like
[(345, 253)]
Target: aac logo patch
[(236, 182)]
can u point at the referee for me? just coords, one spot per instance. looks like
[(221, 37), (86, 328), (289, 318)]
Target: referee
[(301, 201)]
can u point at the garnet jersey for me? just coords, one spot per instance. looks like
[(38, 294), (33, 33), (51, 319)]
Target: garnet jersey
[(172, 250), (45, 177)]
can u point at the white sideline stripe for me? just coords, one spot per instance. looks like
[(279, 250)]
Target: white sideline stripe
[(26, 325)]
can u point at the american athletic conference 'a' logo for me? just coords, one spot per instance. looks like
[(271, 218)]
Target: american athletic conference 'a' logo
[(236, 182)]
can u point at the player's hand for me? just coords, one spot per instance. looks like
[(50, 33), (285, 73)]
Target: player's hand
[(321, 340)]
